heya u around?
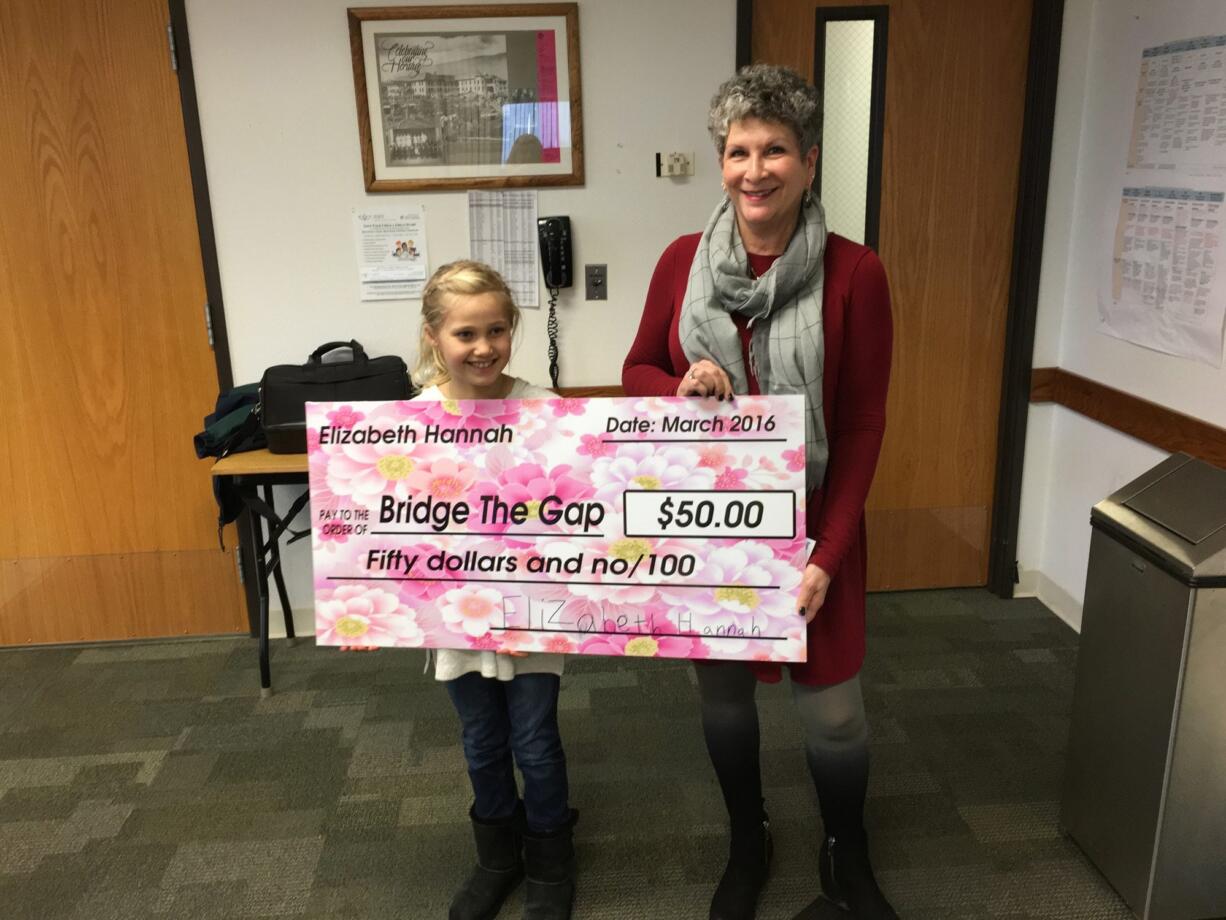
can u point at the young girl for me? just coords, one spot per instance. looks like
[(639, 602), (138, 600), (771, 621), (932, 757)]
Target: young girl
[(507, 705)]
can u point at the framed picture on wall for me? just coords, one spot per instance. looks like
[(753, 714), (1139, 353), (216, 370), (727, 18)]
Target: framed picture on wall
[(460, 97)]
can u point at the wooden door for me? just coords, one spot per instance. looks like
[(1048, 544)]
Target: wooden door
[(955, 88), (109, 524)]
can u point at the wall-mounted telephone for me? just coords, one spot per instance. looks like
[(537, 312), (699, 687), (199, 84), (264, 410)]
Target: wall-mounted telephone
[(554, 233)]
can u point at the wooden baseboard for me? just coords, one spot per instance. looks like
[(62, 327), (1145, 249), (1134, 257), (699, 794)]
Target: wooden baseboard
[(589, 392), (1157, 425)]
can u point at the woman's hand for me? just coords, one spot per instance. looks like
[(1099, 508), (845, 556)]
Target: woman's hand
[(705, 378), (511, 652), (813, 586)]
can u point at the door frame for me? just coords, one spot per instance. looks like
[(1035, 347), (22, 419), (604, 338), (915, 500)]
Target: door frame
[(1030, 216), (215, 305), (1030, 211)]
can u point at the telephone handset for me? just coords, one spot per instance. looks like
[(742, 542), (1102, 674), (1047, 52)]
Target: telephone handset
[(554, 234)]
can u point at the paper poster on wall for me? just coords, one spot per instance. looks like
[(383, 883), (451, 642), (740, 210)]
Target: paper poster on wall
[(392, 261), (502, 233), (1179, 122), (1163, 289)]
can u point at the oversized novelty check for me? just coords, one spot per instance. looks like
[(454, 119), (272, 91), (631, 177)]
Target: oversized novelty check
[(670, 527)]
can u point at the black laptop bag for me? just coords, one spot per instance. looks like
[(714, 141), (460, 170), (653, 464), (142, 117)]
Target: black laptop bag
[(286, 388)]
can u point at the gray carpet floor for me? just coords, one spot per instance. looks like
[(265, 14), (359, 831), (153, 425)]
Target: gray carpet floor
[(150, 780)]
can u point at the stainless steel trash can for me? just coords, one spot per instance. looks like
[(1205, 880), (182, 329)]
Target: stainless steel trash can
[(1145, 788)]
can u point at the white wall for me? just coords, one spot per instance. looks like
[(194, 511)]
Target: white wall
[(1072, 462), (277, 113)]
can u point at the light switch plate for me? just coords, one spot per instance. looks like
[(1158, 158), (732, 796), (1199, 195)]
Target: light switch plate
[(596, 278)]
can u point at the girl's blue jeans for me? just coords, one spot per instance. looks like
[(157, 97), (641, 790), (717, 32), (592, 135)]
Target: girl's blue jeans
[(516, 719)]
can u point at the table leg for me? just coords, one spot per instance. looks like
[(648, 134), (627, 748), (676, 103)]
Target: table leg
[(265, 665), (278, 578), (261, 585)]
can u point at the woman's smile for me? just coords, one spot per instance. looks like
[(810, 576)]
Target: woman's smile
[(766, 176)]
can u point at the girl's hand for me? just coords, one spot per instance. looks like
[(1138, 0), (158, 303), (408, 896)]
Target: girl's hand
[(813, 586), (512, 653), (359, 648), (705, 378)]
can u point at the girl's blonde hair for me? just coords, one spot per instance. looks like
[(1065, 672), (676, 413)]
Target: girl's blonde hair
[(463, 278)]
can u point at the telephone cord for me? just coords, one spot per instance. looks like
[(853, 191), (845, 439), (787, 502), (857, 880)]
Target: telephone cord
[(551, 327)]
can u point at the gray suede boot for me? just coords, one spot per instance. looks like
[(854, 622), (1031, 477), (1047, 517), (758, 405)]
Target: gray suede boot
[(498, 870), (549, 862)]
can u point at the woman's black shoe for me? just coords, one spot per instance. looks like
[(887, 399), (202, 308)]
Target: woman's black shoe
[(847, 878), (749, 859), (499, 868), (549, 862)]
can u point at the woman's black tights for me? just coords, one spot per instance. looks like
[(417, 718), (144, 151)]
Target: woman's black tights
[(836, 744)]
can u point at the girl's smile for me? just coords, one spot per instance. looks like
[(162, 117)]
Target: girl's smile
[(474, 342)]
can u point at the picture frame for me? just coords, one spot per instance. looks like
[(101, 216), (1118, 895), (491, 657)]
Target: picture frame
[(468, 97)]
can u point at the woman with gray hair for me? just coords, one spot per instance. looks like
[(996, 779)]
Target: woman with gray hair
[(764, 300)]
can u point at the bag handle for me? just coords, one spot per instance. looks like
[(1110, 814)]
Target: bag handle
[(248, 427), (359, 353)]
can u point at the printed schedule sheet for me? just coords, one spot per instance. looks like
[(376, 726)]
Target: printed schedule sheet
[(1165, 290), (1180, 121)]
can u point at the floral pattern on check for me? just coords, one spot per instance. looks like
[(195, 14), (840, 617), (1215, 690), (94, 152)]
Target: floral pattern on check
[(546, 559)]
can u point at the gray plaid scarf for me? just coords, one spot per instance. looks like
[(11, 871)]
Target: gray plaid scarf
[(784, 306)]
